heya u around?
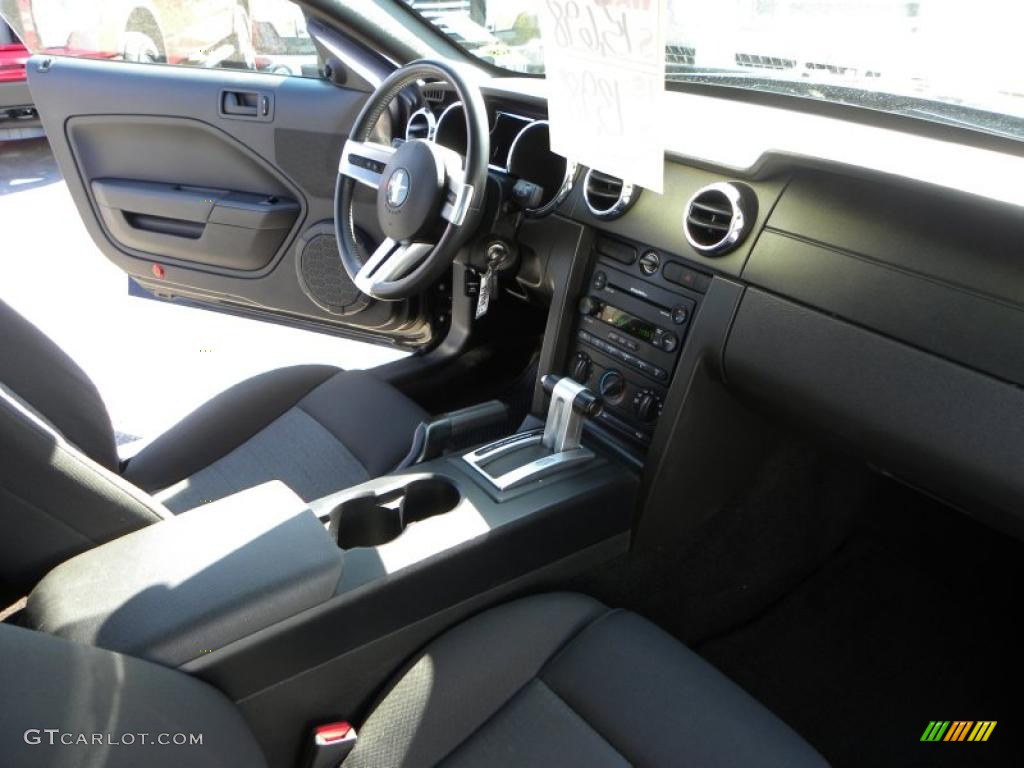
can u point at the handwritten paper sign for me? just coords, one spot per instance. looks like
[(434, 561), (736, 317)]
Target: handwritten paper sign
[(605, 67)]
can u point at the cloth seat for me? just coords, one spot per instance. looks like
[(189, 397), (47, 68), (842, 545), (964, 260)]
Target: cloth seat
[(562, 680), (552, 680), (63, 488), (314, 427)]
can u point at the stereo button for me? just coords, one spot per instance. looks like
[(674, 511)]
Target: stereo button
[(676, 273), (626, 254)]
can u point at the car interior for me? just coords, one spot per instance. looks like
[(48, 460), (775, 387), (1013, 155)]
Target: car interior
[(731, 475)]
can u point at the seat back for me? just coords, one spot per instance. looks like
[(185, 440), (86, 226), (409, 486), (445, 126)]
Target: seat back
[(60, 493), (37, 371), (67, 704)]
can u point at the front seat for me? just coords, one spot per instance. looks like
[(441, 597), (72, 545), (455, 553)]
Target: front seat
[(552, 680), (63, 488)]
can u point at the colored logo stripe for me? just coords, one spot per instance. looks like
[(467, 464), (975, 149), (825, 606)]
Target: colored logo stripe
[(958, 730), (982, 730), (935, 730)]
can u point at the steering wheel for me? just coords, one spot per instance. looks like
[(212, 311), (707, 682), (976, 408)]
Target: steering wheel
[(420, 187)]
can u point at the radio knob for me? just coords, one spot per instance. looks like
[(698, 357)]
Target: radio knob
[(647, 406), (612, 385), (589, 306), (581, 368)]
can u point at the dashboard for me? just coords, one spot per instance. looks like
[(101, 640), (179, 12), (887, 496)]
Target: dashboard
[(881, 310)]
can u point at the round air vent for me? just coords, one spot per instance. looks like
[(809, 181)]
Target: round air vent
[(718, 217), (606, 196), (421, 125)]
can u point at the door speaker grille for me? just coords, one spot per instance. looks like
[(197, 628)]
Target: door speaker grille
[(321, 275)]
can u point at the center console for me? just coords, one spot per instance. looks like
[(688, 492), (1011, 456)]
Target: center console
[(298, 610), (285, 605), (633, 319)]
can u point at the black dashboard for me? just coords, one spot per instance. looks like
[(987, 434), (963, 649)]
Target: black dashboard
[(885, 313)]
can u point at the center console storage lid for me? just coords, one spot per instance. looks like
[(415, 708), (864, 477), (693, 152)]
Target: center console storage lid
[(187, 586)]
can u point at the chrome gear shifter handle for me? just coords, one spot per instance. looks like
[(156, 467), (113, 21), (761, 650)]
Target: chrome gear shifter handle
[(571, 403), (513, 462)]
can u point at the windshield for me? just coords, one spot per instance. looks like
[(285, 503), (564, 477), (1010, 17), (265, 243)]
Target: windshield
[(942, 60)]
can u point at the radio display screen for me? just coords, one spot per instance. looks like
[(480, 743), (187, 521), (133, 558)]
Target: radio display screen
[(627, 323)]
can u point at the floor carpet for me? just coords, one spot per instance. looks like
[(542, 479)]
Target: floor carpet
[(916, 618)]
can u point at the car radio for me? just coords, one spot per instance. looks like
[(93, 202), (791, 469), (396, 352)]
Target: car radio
[(632, 324)]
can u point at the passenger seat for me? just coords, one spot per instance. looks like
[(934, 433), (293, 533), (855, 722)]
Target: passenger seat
[(553, 680)]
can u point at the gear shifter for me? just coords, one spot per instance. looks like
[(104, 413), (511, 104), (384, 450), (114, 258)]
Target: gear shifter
[(529, 456), (570, 403)]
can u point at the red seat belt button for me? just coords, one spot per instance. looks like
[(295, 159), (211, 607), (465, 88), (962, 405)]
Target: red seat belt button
[(332, 743)]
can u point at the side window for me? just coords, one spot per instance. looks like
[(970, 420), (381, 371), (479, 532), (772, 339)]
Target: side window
[(255, 35)]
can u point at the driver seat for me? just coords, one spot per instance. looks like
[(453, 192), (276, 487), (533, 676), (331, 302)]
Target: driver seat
[(63, 488)]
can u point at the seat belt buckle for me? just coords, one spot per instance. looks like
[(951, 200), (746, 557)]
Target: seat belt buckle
[(331, 744)]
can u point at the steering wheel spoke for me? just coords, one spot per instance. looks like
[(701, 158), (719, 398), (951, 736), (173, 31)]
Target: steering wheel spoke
[(391, 261), (458, 197), (364, 161)]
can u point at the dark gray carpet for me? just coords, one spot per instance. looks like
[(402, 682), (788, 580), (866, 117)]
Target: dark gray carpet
[(915, 619)]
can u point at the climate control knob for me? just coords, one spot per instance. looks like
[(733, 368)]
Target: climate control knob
[(581, 367), (647, 406), (612, 385)]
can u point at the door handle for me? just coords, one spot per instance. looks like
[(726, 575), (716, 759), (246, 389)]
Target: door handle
[(247, 104)]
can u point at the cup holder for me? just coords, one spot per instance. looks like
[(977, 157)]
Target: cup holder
[(372, 520)]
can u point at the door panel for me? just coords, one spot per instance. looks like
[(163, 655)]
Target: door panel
[(213, 227), (223, 200)]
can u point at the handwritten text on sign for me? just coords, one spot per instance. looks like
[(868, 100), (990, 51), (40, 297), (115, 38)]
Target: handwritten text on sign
[(605, 65)]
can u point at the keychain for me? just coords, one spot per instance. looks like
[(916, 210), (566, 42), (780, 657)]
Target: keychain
[(498, 255)]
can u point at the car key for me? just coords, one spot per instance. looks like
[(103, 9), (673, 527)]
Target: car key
[(488, 285), (498, 255)]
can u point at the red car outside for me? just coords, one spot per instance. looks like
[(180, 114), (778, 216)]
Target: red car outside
[(18, 117)]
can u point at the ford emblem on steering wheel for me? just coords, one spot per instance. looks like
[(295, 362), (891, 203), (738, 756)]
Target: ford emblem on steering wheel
[(398, 188)]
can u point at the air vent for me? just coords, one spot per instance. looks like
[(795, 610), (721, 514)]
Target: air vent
[(433, 93), (421, 125), (606, 196), (717, 217)]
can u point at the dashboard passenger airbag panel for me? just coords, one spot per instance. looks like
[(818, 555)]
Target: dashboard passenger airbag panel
[(954, 323), (945, 428), (950, 237)]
